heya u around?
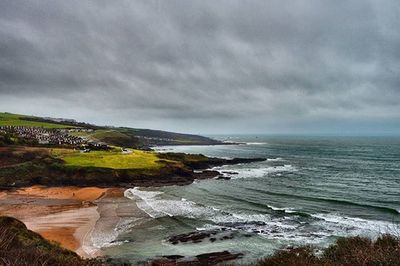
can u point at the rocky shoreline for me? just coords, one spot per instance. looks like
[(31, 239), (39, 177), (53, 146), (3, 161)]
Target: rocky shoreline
[(69, 186), (212, 258), (24, 168)]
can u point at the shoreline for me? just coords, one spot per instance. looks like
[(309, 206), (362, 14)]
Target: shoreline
[(79, 219)]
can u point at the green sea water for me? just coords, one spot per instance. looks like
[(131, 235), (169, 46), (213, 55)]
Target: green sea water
[(310, 190)]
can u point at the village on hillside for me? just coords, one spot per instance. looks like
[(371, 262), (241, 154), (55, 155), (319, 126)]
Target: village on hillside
[(52, 136)]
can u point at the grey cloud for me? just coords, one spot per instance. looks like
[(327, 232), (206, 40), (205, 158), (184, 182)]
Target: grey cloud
[(247, 66)]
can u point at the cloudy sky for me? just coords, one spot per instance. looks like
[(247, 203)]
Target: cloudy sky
[(304, 66)]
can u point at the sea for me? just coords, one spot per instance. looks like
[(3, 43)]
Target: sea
[(310, 191)]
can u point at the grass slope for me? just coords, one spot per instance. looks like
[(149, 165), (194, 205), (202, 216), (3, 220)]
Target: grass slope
[(24, 166), (109, 136), (109, 159), (7, 119), (117, 136)]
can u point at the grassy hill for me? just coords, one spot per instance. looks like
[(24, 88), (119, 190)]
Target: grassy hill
[(112, 137), (135, 159), (117, 136), (22, 166), (7, 119)]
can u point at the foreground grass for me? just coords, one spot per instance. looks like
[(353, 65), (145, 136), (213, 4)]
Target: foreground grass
[(109, 159), (350, 251), (7, 119)]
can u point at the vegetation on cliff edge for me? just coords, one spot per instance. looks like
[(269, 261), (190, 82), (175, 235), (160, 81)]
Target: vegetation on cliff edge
[(20, 246), (346, 251)]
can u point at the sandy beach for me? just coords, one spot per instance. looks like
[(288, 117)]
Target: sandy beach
[(79, 219)]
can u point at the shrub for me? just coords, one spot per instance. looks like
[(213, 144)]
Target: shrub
[(297, 256), (348, 251)]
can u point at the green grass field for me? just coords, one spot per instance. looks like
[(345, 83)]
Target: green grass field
[(99, 134), (110, 136), (7, 119), (109, 159)]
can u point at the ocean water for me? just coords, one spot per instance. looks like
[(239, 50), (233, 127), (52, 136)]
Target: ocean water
[(311, 190)]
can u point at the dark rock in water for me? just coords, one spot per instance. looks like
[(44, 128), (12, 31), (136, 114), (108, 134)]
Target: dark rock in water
[(199, 236), (217, 257), (206, 174), (242, 225), (222, 177), (195, 237), (213, 258), (244, 160), (230, 172), (174, 257), (226, 237)]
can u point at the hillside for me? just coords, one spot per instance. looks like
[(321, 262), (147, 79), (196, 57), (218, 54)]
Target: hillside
[(22, 166), (56, 151), (7, 119), (117, 136)]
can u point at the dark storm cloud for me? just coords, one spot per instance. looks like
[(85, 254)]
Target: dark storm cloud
[(209, 66)]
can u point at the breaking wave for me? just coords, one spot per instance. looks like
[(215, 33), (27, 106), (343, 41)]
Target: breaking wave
[(292, 224), (256, 172)]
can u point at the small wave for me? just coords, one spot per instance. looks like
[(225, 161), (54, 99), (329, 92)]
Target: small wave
[(261, 172), (256, 143), (290, 225), (155, 206), (255, 172), (344, 224), (345, 202), (286, 210), (274, 159), (335, 201)]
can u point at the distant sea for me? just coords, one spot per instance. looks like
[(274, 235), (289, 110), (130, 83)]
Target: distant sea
[(311, 190)]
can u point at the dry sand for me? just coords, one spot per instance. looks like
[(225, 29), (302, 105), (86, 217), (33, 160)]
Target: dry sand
[(67, 215)]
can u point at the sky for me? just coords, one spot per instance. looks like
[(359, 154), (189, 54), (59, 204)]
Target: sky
[(208, 67)]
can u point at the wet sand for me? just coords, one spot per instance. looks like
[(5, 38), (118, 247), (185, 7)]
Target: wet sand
[(80, 219)]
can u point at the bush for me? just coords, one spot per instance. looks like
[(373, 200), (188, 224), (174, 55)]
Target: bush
[(297, 256), (349, 251)]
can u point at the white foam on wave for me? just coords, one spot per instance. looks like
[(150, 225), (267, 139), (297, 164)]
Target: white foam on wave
[(286, 209), (256, 143), (227, 217), (156, 206), (289, 227), (344, 224), (256, 172), (274, 159)]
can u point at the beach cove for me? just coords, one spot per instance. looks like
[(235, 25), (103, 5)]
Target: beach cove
[(80, 219)]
